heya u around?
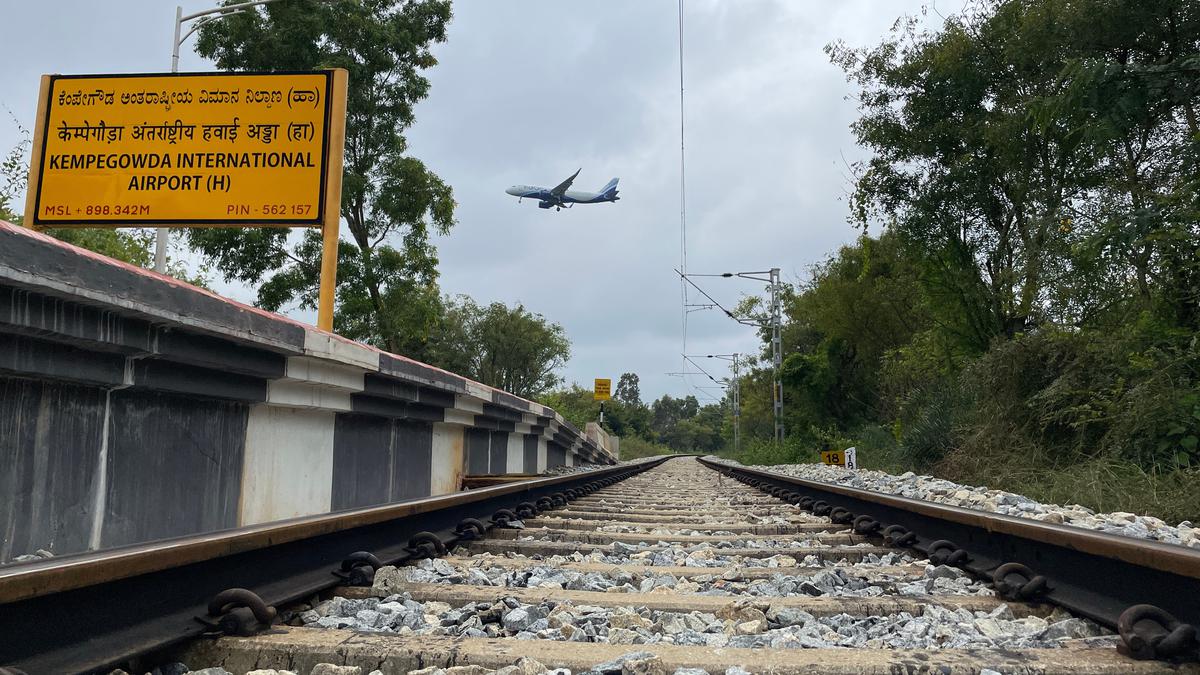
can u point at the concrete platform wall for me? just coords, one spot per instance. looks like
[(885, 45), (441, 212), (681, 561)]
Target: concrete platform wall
[(135, 407)]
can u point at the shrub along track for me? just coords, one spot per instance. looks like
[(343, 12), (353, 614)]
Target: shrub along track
[(685, 567), (678, 561)]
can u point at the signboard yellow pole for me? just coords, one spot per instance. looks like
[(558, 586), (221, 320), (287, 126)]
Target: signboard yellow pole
[(333, 201), (602, 392), (35, 161)]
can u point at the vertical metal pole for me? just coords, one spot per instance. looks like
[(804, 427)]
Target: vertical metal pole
[(737, 406), (175, 44), (333, 201), (777, 350), (163, 235)]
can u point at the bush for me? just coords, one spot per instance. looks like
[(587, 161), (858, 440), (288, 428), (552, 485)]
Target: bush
[(1109, 420), (633, 447), (761, 451), (878, 449), (1128, 396), (930, 424)]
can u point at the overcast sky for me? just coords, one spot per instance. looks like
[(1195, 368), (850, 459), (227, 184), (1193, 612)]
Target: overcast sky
[(527, 92)]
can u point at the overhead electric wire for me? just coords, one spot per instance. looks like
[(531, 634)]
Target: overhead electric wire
[(719, 306), (706, 373)]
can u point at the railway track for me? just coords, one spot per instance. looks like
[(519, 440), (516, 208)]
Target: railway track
[(692, 564)]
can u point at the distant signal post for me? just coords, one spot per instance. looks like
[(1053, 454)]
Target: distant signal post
[(602, 391), (193, 150)]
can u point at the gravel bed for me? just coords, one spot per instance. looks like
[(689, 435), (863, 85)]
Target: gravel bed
[(636, 662), (578, 468), (942, 491), (748, 543), (678, 556), (177, 668), (745, 623), (797, 518), (680, 531), (834, 581)]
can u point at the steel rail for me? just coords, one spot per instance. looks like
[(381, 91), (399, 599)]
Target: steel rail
[(94, 611), (1093, 574)]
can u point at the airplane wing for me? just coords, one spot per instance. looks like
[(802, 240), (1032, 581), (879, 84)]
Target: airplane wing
[(562, 187)]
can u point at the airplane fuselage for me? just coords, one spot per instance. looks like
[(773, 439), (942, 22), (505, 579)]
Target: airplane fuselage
[(568, 197), (560, 196)]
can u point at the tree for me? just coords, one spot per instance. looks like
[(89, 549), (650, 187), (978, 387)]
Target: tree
[(14, 174), (962, 170), (509, 348), (1130, 85), (628, 390), (629, 411), (387, 269)]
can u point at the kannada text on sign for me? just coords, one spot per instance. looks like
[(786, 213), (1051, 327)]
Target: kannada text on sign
[(215, 149)]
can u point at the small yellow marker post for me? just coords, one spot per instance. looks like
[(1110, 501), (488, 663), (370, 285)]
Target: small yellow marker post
[(832, 457), (333, 201)]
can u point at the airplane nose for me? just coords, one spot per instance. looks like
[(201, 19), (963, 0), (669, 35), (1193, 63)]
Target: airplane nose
[(512, 190)]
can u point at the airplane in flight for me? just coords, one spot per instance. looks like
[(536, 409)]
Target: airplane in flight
[(559, 196)]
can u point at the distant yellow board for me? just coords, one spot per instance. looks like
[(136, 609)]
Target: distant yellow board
[(185, 149), (603, 391)]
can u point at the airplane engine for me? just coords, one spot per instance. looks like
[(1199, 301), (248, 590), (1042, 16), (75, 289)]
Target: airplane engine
[(545, 204)]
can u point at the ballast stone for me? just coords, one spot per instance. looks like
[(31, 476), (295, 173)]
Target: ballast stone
[(331, 669), (942, 491)]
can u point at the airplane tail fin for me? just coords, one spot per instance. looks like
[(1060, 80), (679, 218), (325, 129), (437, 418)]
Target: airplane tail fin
[(609, 191)]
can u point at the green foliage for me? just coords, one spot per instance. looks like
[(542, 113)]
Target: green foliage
[(509, 348), (629, 390), (14, 174), (135, 246), (686, 426), (634, 447), (671, 424), (1027, 318), (387, 268), (1122, 395), (575, 404), (762, 451)]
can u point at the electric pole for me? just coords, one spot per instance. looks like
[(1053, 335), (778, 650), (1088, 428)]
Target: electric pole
[(773, 323), (162, 235), (777, 350)]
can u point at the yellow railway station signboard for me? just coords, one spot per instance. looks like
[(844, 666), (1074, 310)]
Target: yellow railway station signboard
[(193, 150), (186, 149)]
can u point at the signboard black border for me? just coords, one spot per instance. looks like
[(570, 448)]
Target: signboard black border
[(316, 221)]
